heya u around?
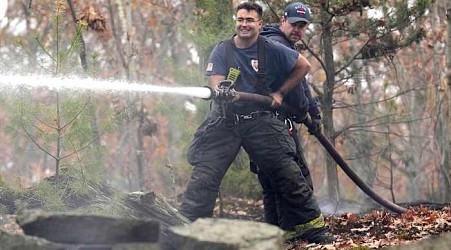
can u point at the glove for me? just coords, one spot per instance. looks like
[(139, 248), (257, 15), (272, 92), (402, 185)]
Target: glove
[(299, 118), (315, 126)]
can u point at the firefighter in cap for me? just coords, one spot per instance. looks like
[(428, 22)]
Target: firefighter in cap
[(288, 32)]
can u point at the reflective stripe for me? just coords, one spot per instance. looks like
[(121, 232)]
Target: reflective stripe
[(318, 222), (289, 124)]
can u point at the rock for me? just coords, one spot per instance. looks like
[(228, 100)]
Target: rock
[(136, 246), (22, 242), (441, 242), (151, 205), (225, 234), (75, 228)]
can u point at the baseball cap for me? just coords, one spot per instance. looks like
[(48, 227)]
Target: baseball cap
[(297, 12)]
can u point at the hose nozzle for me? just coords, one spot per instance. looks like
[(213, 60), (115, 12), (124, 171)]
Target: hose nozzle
[(224, 92)]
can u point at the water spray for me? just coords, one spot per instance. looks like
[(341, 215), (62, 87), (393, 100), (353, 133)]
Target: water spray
[(18, 82), (224, 93)]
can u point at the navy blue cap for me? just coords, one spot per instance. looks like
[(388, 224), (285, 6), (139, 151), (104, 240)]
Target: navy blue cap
[(297, 12)]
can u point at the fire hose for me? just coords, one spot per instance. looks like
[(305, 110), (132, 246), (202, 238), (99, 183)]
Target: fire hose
[(226, 93)]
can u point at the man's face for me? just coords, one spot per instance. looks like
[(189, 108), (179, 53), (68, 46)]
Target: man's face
[(247, 24), (294, 31)]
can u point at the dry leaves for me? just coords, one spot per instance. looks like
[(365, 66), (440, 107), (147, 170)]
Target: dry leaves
[(381, 228), (91, 17), (375, 229)]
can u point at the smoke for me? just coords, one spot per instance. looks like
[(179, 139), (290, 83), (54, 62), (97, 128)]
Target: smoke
[(329, 207)]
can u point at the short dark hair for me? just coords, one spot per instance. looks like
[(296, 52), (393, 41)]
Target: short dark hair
[(249, 6)]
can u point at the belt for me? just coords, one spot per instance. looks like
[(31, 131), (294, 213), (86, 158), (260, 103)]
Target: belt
[(239, 118)]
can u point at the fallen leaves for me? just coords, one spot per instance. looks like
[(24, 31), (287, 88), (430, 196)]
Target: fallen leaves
[(376, 229), (381, 228)]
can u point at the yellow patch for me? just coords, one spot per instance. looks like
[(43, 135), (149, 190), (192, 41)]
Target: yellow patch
[(233, 74)]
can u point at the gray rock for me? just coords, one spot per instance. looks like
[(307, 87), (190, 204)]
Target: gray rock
[(225, 234), (442, 242), (137, 246), (22, 242), (87, 229)]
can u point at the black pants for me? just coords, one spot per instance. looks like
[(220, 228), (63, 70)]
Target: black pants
[(270, 199), (216, 144)]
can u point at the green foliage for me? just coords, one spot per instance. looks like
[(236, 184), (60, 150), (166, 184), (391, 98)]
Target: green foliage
[(212, 22), (3, 209), (182, 124), (421, 6), (274, 11), (59, 124), (111, 206), (240, 181), (75, 188), (50, 197), (85, 177), (54, 57), (8, 195), (47, 123)]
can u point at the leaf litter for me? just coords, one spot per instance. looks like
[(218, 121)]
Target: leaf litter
[(371, 230)]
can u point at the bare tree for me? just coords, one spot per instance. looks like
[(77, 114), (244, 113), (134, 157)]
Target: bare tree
[(446, 145)]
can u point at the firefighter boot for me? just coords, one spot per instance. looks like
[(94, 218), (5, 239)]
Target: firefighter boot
[(311, 235)]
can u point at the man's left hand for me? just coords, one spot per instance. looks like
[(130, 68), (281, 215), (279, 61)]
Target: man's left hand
[(315, 126)]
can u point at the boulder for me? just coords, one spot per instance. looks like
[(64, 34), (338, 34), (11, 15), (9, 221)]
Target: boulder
[(225, 234), (73, 228), (441, 242)]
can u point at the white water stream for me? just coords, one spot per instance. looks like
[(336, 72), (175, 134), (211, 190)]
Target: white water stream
[(11, 82)]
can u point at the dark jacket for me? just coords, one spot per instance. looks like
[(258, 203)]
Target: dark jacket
[(273, 32)]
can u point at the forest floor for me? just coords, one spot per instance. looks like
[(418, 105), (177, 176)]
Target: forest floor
[(373, 229)]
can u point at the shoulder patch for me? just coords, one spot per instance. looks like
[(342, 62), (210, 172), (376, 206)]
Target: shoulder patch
[(209, 66)]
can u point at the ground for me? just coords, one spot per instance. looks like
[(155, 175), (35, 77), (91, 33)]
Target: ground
[(374, 229)]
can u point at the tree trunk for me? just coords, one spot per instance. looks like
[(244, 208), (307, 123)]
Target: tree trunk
[(140, 158), (125, 40), (82, 53), (363, 143), (328, 89), (446, 146)]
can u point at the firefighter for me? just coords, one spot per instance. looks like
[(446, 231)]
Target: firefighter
[(290, 30), (263, 67)]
